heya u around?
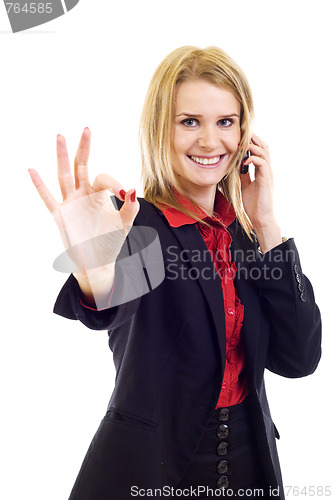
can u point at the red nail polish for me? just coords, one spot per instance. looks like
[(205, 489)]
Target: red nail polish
[(122, 194), (133, 196)]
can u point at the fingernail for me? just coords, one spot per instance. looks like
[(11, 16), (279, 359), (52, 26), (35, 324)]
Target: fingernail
[(86, 128), (133, 196), (122, 194)]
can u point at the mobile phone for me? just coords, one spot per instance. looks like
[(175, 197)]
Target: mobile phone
[(245, 168)]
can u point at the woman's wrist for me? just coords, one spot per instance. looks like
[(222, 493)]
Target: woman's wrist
[(268, 235), (96, 284)]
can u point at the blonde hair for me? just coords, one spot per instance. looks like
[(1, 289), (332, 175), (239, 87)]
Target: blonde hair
[(189, 63)]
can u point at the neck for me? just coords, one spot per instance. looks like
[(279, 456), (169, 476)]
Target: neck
[(205, 198)]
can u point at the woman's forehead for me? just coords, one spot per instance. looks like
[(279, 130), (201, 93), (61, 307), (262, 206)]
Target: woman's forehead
[(197, 96)]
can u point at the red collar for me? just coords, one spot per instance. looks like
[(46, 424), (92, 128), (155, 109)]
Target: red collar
[(222, 208)]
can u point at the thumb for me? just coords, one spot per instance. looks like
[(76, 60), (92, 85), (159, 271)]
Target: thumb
[(130, 208)]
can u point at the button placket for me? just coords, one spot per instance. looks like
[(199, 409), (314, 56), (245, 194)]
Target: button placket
[(222, 449)]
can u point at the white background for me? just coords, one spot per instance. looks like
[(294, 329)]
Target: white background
[(91, 68)]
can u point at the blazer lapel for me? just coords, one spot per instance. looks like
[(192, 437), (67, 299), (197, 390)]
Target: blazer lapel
[(242, 253), (191, 241)]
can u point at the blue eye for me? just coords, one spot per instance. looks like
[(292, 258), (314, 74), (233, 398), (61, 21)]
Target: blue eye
[(190, 122), (193, 122), (226, 122)]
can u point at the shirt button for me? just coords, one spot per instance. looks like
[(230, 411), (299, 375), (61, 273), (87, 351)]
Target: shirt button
[(230, 273), (224, 385), (231, 311)]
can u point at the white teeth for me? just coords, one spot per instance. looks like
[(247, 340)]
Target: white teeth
[(206, 161)]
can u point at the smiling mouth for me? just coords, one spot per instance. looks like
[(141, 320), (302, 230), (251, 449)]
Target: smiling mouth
[(206, 161)]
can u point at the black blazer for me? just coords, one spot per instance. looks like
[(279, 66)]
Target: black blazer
[(169, 354)]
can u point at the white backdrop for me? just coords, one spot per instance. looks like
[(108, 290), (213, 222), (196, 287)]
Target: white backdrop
[(91, 67)]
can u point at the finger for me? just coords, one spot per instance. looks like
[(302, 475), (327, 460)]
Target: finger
[(130, 208), (105, 181), (81, 160), (259, 142), (44, 193), (66, 182), (262, 168), (257, 150), (261, 149), (257, 161)]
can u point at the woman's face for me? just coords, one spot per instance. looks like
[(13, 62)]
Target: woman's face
[(206, 134)]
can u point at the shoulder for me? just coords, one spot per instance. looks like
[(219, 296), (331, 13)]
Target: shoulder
[(147, 209)]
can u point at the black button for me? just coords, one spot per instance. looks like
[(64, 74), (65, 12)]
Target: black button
[(223, 482), (222, 467), (222, 431), (222, 448), (303, 297), (295, 268), (298, 278), (301, 287), (223, 415)]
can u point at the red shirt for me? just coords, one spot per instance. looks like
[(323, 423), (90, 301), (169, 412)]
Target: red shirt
[(217, 238)]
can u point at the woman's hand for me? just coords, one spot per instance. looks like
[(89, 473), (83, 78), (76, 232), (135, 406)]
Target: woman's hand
[(258, 196), (92, 231)]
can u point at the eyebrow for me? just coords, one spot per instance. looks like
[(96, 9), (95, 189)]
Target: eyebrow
[(192, 115)]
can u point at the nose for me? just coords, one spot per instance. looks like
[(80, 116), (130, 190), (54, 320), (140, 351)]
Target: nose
[(208, 138)]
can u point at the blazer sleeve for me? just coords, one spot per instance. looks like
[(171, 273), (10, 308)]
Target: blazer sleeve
[(69, 305), (289, 303)]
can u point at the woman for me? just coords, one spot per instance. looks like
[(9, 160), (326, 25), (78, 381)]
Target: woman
[(188, 415)]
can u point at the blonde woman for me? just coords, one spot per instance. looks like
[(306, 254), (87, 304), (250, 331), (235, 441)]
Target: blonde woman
[(188, 415)]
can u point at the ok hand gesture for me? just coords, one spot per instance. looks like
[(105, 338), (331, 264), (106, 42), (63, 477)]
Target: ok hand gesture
[(86, 212)]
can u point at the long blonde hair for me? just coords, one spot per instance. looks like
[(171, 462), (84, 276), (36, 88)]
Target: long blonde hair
[(189, 63)]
